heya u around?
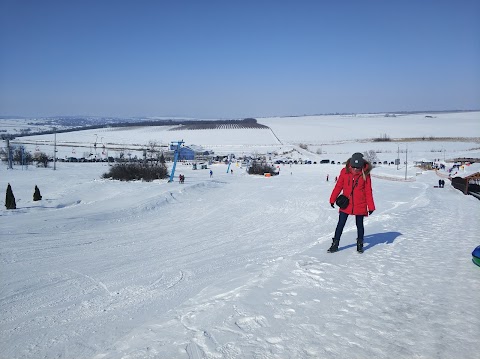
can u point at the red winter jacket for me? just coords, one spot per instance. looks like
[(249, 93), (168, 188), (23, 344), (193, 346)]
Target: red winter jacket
[(362, 200)]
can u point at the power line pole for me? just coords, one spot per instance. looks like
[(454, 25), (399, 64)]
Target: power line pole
[(55, 149), (406, 162), (9, 153), (22, 150), (398, 156)]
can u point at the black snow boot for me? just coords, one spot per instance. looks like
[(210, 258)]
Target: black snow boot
[(334, 247), (360, 245)]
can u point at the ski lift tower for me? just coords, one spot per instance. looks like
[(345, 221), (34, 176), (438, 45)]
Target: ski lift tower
[(176, 146)]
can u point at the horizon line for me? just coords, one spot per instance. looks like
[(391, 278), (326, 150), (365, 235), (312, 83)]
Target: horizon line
[(189, 117)]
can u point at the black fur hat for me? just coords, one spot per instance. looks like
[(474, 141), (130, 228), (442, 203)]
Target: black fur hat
[(357, 160)]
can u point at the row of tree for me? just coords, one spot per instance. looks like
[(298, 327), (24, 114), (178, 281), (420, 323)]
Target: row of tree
[(20, 156), (10, 202), (137, 171)]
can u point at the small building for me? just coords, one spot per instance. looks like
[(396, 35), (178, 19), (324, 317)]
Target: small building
[(186, 154), (190, 153), (462, 161), (426, 165), (468, 185)]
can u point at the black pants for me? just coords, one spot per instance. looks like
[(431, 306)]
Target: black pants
[(342, 219)]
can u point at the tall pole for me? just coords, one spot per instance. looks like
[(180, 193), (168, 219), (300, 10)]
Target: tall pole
[(9, 153), (406, 162), (55, 149), (22, 150), (398, 156)]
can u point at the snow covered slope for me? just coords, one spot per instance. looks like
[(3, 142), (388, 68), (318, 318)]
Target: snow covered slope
[(234, 266)]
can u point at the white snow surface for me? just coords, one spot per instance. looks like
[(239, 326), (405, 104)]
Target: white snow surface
[(236, 266)]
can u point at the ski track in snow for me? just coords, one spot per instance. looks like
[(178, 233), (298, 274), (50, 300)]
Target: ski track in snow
[(250, 278)]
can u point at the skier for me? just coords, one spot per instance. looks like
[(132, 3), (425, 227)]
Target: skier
[(211, 173), (355, 183)]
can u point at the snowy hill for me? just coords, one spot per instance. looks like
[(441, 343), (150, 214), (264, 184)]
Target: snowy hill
[(235, 266)]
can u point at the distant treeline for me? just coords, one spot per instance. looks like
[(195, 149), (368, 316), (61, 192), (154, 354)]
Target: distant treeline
[(183, 124), (379, 113)]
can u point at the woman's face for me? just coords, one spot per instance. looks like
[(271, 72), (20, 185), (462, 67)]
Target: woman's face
[(355, 169)]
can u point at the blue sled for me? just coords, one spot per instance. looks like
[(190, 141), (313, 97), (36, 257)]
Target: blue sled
[(476, 256)]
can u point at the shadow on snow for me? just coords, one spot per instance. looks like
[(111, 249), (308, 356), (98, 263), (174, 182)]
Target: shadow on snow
[(374, 239)]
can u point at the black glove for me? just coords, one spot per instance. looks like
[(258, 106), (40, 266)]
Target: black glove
[(370, 213), (332, 204)]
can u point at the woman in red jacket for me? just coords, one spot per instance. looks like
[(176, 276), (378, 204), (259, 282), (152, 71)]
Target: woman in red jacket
[(355, 183)]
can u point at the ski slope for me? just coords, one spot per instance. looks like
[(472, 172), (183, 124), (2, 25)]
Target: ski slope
[(234, 266)]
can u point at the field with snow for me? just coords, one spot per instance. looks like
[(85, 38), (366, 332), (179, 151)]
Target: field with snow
[(236, 266), (333, 137)]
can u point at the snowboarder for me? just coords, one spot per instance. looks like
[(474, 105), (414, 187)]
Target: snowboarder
[(211, 173), (355, 183)]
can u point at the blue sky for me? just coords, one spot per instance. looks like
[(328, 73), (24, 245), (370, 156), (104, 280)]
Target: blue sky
[(233, 59)]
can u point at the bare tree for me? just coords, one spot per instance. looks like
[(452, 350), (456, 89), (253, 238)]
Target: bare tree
[(370, 156), (153, 153), (3, 154), (41, 158)]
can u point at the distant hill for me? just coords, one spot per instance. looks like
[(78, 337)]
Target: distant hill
[(70, 124)]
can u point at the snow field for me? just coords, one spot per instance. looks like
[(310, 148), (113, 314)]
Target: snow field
[(234, 267)]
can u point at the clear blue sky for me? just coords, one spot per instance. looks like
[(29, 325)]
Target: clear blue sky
[(232, 59)]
